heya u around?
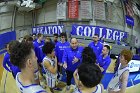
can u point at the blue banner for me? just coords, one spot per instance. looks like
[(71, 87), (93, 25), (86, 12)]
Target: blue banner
[(129, 20), (90, 31), (6, 38), (50, 29)]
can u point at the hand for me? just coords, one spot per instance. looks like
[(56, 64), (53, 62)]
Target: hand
[(60, 63), (100, 67), (65, 65), (75, 59), (75, 73), (55, 59)]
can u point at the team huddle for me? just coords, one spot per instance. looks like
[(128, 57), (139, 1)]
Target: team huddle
[(34, 60)]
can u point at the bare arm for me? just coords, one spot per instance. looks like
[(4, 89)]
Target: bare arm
[(124, 79), (51, 68)]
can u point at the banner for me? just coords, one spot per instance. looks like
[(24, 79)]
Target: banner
[(61, 10), (50, 29), (89, 30), (85, 10), (73, 9), (129, 20), (134, 65)]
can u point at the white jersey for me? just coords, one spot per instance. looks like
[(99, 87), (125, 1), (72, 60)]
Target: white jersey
[(98, 90), (50, 77), (115, 83), (33, 88)]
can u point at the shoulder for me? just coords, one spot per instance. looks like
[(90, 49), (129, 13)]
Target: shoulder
[(102, 87)]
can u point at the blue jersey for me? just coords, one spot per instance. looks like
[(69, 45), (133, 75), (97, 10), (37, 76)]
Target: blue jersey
[(10, 66), (38, 50), (104, 62), (59, 49), (6, 62), (68, 57), (97, 48)]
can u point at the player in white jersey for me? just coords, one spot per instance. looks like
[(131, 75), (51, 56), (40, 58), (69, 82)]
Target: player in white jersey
[(87, 78), (23, 56), (50, 64), (118, 83)]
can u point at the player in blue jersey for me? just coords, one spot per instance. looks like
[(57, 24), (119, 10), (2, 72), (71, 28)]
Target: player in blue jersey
[(87, 78), (55, 38), (71, 59), (38, 44), (23, 56), (104, 59), (96, 45), (59, 49), (6, 62)]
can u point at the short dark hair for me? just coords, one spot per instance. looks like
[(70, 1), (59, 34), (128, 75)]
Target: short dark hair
[(12, 44), (108, 47), (55, 34), (88, 55), (89, 74), (39, 35), (96, 35), (64, 34), (48, 48), (20, 53)]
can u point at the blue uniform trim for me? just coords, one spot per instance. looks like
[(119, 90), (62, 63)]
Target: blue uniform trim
[(41, 91)]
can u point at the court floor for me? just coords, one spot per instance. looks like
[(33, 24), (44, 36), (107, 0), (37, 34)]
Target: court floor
[(8, 85)]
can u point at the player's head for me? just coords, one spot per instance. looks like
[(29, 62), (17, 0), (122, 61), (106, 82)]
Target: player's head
[(106, 50), (96, 38), (125, 56), (48, 48), (34, 36), (74, 43), (11, 45), (63, 37), (48, 39), (55, 37), (23, 56), (88, 55), (89, 75), (40, 36), (28, 39)]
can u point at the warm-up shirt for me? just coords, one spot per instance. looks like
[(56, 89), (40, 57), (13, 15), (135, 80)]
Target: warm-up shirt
[(68, 57), (38, 50), (104, 62), (97, 48), (9, 66), (59, 49)]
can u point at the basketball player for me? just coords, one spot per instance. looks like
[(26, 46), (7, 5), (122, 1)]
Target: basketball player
[(23, 56), (6, 62), (50, 64), (87, 78), (118, 83)]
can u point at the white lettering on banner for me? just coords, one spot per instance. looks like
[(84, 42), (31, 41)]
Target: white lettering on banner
[(48, 29), (93, 31), (54, 30), (101, 30), (121, 35), (90, 31), (87, 31), (78, 29), (137, 77), (108, 33), (60, 28), (115, 35)]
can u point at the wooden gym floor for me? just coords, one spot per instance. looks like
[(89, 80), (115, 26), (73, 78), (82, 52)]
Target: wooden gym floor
[(8, 85)]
